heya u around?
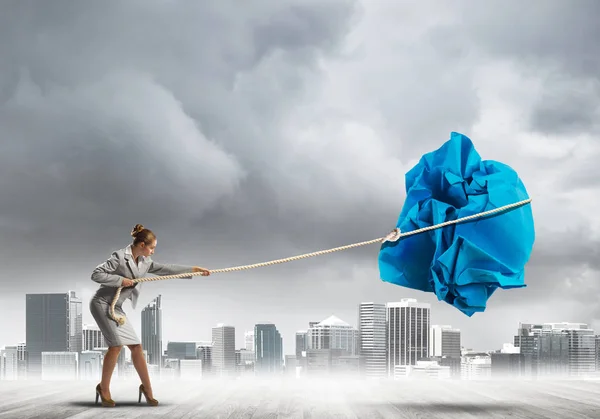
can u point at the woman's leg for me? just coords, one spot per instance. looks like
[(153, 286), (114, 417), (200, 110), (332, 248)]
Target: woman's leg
[(110, 360), (139, 362)]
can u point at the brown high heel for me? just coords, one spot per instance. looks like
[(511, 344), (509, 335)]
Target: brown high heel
[(149, 400), (105, 402)]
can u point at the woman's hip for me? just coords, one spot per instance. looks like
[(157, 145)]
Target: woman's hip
[(101, 307)]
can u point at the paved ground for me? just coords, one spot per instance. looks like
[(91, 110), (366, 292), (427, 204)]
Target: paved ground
[(299, 399)]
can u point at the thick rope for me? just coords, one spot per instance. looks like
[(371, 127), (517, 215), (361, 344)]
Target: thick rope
[(393, 236)]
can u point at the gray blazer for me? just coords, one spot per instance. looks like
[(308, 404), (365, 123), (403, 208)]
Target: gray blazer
[(121, 265)]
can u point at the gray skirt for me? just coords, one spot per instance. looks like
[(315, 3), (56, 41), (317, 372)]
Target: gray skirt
[(114, 334)]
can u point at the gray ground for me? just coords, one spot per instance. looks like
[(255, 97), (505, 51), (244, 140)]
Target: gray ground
[(308, 399)]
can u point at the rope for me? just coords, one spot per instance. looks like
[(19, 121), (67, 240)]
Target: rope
[(393, 236)]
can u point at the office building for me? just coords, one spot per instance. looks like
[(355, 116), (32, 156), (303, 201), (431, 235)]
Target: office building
[(53, 323), (407, 332), (152, 331), (223, 351), (372, 341), (333, 333), (268, 349), (92, 337)]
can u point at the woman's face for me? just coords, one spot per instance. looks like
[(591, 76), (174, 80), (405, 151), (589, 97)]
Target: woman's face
[(148, 250)]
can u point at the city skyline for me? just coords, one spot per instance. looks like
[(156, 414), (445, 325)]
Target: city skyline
[(153, 312), (241, 332), (413, 347)]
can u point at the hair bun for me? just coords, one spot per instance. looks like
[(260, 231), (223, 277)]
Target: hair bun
[(136, 230)]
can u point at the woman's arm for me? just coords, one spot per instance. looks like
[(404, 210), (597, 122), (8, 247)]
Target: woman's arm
[(161, 269), (103, 274)]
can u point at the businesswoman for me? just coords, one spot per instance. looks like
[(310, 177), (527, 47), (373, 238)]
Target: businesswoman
[(134, 261)]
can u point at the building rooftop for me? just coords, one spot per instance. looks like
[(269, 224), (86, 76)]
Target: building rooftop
[(333, 321)]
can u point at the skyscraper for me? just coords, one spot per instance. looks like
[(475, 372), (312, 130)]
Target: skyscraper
[(555, 349), (92, 337), (53, 323), (444, 347), (204, 353), (582, 346), (182, 350), (152, 331), (407, 332), (22, 361), (9, 369), (301, 343), (372, 343), (597, 353), (249, 340), (268, 348), (527, 340), (223, 352), (333, 333), (75, 323), (444, 341)]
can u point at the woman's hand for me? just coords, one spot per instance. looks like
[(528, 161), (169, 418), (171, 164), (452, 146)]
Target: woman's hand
[(205, 272), (127, 283)]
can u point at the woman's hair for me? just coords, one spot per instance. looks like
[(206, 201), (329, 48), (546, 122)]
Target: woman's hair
[(142, 235)]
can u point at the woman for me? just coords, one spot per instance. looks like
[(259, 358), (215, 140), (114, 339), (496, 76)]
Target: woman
[(131, 262)]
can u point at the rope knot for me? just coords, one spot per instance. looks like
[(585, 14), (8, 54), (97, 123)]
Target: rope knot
[(393, 236)]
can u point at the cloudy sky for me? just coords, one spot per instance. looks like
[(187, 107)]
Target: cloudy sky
[(245, 134)]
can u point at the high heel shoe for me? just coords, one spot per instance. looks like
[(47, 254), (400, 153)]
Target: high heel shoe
[(105, 402), (149, 400)]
